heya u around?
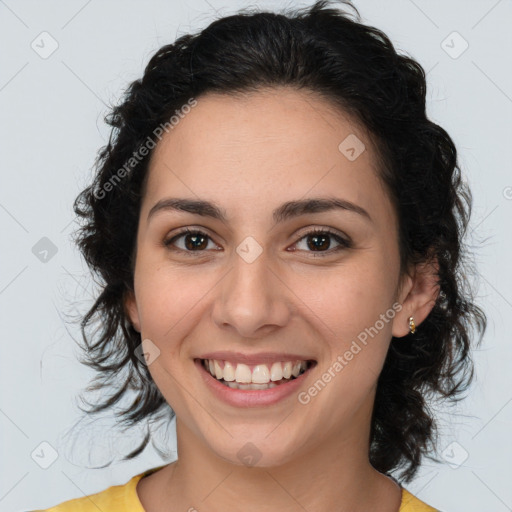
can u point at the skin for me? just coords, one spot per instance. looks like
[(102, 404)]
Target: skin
[(249, 155)]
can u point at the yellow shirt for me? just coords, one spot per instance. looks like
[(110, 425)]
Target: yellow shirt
[(124, 498)]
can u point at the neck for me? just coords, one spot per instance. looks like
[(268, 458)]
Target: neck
[(333, 475)]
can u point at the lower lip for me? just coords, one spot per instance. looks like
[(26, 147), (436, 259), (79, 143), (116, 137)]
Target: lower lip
[(250, 397)]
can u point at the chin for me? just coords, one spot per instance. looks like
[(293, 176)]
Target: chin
[(256, 451)]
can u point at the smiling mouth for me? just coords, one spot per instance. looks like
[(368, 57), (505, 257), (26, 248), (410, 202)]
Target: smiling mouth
[(256, 377)]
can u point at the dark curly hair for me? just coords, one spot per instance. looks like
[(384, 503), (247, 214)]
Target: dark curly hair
[(327, 50)]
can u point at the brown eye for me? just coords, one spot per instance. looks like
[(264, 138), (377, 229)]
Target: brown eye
[(320, 240), (192, 241)]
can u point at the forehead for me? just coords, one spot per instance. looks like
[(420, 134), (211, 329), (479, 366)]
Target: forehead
[(248, 151)]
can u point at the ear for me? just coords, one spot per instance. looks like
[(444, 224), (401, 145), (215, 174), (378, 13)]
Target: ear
[(131, 310), (418, 295)]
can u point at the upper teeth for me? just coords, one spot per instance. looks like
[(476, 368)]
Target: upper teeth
[(260, 374)]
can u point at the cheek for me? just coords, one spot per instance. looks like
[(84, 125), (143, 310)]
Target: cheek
[(353, 313), (349, 297), (169, 298), (350, 308)]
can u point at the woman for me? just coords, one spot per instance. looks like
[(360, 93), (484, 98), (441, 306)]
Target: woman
[(278, 227)]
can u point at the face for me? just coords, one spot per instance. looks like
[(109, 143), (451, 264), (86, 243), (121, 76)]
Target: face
[(259, 282)]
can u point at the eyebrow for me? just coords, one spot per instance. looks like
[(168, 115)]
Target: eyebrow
[(284, 212)]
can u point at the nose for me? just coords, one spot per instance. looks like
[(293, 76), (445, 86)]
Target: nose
[(252, 300)]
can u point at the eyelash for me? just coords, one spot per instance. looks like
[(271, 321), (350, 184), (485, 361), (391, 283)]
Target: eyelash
[(344, 243)]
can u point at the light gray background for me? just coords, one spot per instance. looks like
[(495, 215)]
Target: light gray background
[(51, 128)]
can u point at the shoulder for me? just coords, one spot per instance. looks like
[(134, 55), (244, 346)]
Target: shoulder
[(117, 498), (412, 504)]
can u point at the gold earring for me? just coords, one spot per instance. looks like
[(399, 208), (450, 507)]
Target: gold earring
[(412, 325)]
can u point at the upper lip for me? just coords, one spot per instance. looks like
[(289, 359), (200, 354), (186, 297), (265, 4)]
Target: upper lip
[(260, 357)]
